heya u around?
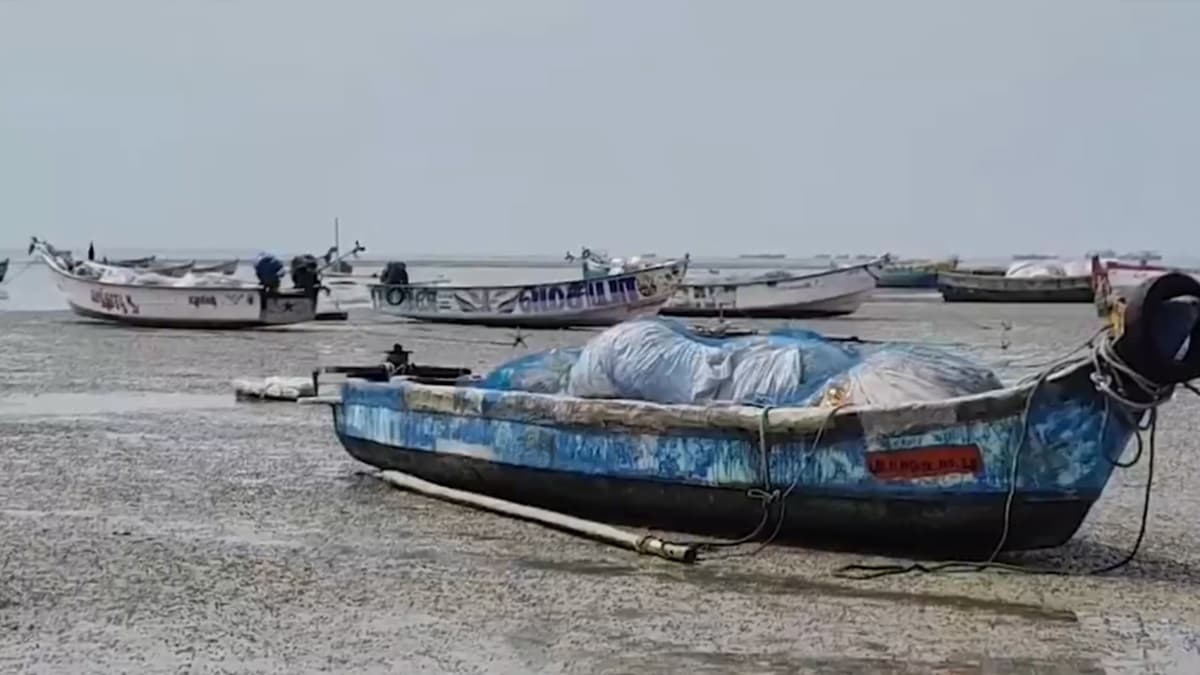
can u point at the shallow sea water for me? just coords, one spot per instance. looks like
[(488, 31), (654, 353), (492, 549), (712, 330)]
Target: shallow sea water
[(150, 524)]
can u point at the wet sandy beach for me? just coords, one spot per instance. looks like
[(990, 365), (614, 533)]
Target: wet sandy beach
[(150, 524)]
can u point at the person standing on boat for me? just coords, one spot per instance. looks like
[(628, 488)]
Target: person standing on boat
[(91, 251)]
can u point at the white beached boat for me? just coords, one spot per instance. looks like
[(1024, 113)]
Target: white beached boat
[(594, 301), (191, 302), (833, 292)]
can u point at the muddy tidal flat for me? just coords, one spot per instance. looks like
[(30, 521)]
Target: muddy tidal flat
[(150, 524)]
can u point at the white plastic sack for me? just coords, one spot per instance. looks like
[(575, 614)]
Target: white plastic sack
[(274, 388), (651, 361), (657, 360), (899, 374)]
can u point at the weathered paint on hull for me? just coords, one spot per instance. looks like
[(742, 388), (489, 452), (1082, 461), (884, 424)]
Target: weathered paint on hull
[(959, 524), (977, 287), (688, 468)]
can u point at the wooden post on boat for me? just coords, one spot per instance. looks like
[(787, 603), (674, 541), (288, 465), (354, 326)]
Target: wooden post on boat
[(642, 543)]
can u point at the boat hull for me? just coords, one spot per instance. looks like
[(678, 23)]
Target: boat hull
[(591, 302), (833, 292), (184, 307), (967, 287), (834, 306), (969, 525), (927, 477)]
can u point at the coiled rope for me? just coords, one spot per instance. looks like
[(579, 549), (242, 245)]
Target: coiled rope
[(1106, 363)]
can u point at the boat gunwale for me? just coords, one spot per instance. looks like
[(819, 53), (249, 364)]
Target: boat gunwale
[(452, 287), (775, 281), (54, 266), (998, 282), (662, 418)]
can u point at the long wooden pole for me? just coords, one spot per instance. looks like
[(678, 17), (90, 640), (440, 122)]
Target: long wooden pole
[(642, 543)]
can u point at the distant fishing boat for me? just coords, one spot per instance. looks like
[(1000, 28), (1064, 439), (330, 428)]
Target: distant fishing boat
[(914, 273), (978, 286), (159, 302), (336, 263), (1055, 283), (833, 292), (1013, 468), (598, 301)]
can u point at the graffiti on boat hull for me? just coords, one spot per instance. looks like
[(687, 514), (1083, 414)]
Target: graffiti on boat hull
[(552, 298), (114, 302)]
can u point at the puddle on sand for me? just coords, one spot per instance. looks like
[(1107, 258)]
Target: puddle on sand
[(106, 403)]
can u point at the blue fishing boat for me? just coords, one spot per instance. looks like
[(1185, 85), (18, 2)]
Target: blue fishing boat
[(1006, 467)]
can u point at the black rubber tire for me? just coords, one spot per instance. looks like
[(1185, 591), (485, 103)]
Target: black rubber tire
[(1136, 345)]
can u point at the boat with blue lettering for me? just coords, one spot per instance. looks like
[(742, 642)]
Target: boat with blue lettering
[(601, 300), (870, 446)]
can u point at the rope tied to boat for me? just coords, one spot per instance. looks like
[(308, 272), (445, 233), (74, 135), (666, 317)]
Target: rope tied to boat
[(1107, 365), (766, 494)]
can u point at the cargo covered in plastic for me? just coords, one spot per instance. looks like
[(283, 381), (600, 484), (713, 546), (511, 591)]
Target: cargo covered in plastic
[(660, 360)]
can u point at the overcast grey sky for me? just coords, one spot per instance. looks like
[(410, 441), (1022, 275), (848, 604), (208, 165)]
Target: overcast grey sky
[(533, 126)]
